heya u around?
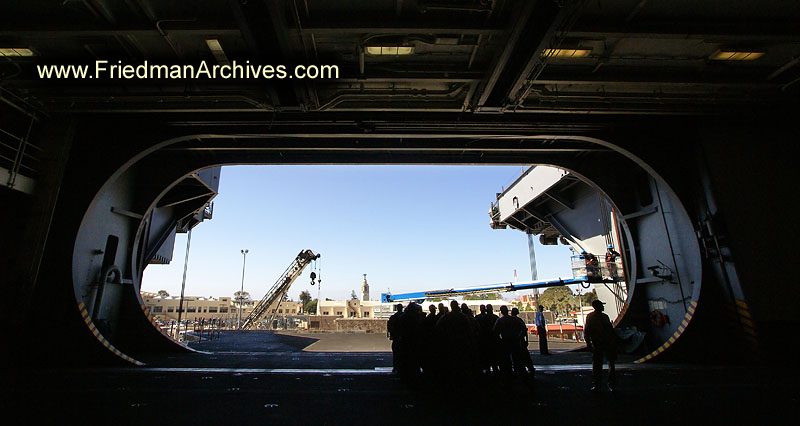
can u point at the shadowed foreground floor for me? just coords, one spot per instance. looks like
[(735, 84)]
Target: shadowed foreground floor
[(290, 387)]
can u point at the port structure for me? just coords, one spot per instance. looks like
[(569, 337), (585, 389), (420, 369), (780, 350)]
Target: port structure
[(279, 289)]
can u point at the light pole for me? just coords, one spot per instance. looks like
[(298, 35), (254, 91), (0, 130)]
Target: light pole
[(580, 306), (241, 291), (183, 283)]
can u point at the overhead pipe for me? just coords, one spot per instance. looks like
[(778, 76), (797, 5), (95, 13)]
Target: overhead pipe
[(346, 95), (166, 37)]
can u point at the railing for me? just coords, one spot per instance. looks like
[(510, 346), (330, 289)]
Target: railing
[(598, 270), (18, 155)]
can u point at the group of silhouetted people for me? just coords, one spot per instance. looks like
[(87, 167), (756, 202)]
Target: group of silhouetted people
[(454, 343), (451, 343)]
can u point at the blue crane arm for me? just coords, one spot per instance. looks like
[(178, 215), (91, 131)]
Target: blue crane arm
[(389, 298)]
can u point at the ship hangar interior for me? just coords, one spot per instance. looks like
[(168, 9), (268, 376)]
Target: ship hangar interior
[(680, 114)]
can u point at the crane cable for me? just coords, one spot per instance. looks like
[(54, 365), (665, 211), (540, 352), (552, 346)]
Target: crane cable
[(319, 275), (319, 284)]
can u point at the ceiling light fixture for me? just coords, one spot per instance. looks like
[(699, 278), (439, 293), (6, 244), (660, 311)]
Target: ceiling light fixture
[(216, 50), (389, 50), (16, 51), (566, 53), (736, 55)]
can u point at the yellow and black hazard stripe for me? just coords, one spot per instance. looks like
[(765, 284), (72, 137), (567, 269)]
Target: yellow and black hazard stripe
[(746, 322), (681, 328), (152, 319), (620, 315), (89, 323), (149, 315)]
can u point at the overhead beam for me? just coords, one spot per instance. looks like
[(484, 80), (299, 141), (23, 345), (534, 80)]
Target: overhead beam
[(264, 29), (561, 228), (560, 200), (324, 24), (640, 81), (533, 31), (785, 67), (339, 30), (183, 195), (540, 217), (390, 149), (49, 33), (499, 64), (423, 77), (287, 47), (550, 19), (767, 35), (385, 142)]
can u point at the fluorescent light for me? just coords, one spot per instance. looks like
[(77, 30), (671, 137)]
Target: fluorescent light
[(16, 51), (389, 50), (566, 53), (736, 55), (214, 45), (216, 50)]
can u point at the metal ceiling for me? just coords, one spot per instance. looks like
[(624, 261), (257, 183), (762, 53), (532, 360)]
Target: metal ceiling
[(471, 56)]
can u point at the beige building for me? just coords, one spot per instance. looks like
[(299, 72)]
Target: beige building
[(197, 307), (370, 316), (352, 308), (355, 308)]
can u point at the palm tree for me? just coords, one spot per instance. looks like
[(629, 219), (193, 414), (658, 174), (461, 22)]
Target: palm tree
[(305, 298)]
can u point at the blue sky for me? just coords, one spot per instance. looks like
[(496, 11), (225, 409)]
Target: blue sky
[(409, 228)]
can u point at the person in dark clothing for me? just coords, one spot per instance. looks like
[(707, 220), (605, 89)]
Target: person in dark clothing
[(602, 340), (474, 335), (494, 343), (410, 339), (611, 262), (592, 267), (430, 349), (467, 312), (431, 311), (505, 329), (482, 312), (484, 340), (541, 330), (393, 333), (523, 364), (490, 314), (454, 307), (457, 343)]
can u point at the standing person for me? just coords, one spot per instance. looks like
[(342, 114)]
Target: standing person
[(541, 330), (484, 340), (602, 341), (393, 333), (505, 329), (494, 344), (592, 267), (430, 320), (481, 315), (474, 338), (611, 262), (411, 342), (430, 349), (523, 364), (456, 335)]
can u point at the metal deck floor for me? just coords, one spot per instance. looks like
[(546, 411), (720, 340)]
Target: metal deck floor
[(290, 387)]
